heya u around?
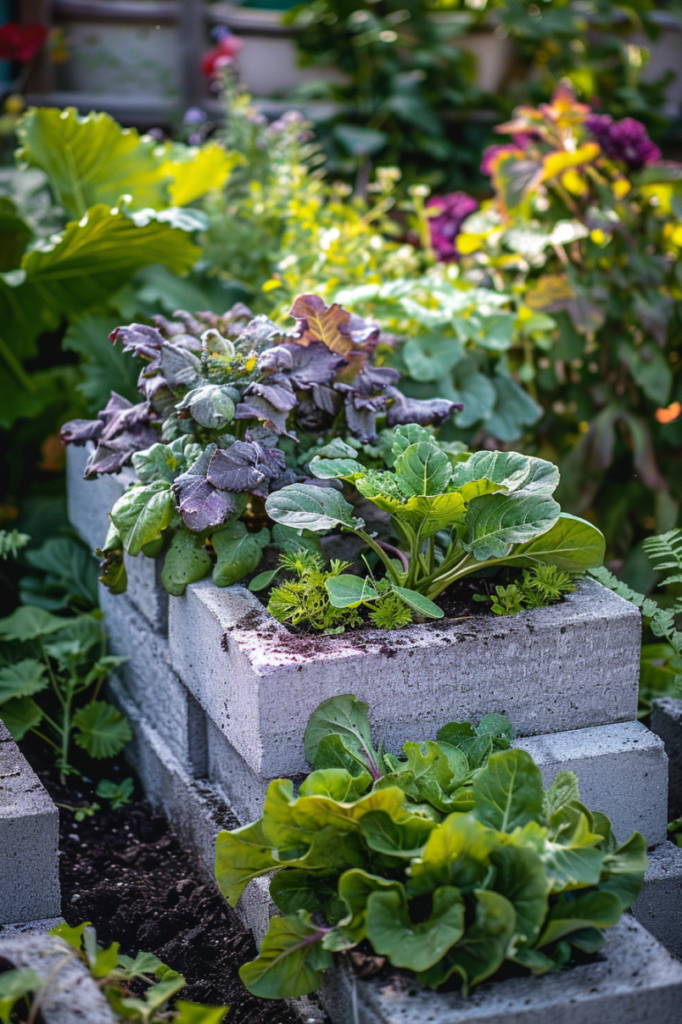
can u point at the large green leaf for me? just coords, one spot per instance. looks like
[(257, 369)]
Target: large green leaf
[(241, 855), (291, 963), (14, 985), (508, 791), (431, 512), (91, 160), (483, 947), (348, 591), (418, 603), (405, 839), (304, 506), (571, 544), (355, 887), (142, 513), (624, 870), (417, 946), (575, 911), (496, 522), (186, 561), (14, 235), (344, 716), (96, 255), (294, 889), (520, 877), (19, 715), (457, 853), (336, 469), (238, 553), (511, 469), (422, 469), (101, 729), (22, 679), (29, 623)]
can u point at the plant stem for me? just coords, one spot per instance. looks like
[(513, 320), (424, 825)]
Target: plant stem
[(374, 545), (396, 552), (66, 723), (53, 678)]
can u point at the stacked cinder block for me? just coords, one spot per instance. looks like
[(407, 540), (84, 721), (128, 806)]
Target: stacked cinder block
[(219, 693), (29, 841)]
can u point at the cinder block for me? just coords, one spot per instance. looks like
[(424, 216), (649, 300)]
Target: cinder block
[(659, 906), (244, 789), (634, 981), (29, 840), (666, 722), (622, 771), (90, 501), (569, 666), (69, 993), (146, 591), (150, 680), (45, 924)]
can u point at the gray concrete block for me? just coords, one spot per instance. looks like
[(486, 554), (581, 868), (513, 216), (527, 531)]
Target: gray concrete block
[(572, 665), (90, 501), (635, 981), (146, 591), (666, 722), (45, 924), (244, 789), (659, 906), (622, 771), (69, 994), (150, 680), (29, 840)]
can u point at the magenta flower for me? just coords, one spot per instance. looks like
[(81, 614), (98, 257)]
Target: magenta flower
[(626, 140), (453, 210)]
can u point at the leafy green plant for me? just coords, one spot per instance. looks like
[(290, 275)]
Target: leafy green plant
[(447, 864), (661, 665), (584, 228), (117, 793), (64, 659), (410, 96), (451, 515), (228, 402), (536, 588), (12, 542), (119, 977)]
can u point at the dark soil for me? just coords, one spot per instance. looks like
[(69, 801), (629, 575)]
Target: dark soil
[(127, 873)]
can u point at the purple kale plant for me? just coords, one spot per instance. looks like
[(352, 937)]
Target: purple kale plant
[(231, 406)]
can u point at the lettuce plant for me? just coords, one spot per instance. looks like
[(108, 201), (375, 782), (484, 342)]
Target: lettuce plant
[(226, 399), (448, 863), (451, 515)]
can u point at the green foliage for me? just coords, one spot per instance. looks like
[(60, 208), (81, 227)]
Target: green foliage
[(410, 96), (117, 793), (584, 228), (447, 863), (661, 664), (304, 599), (64, 661), (11, 543), (536, 588), (113, 973), (451, 515)]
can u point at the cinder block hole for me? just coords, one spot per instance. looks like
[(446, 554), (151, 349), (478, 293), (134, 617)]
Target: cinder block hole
[(197, 738)]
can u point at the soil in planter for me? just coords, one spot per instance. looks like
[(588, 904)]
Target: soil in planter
[(127, 873)]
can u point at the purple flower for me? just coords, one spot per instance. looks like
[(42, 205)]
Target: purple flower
[(624, 140), (453, 210)]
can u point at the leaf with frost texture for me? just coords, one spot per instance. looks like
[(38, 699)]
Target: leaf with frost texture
[(422, 469), (510, 469), (304, 506)]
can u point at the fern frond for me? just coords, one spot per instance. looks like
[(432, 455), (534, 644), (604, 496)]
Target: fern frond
[(665, 550)]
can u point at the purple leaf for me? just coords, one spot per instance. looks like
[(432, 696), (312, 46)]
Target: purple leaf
[(200, 504), (416, 410), (139, 339), (237, 468), (79, 431), (361, 413)]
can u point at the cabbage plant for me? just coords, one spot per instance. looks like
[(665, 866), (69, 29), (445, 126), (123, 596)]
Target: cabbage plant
[(451, 515)]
